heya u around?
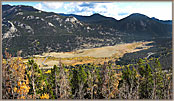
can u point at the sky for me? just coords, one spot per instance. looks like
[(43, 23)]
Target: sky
[(118, 10)]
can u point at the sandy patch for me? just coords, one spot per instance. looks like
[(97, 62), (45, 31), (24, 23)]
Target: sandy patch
[(106, 51), (93, 55)]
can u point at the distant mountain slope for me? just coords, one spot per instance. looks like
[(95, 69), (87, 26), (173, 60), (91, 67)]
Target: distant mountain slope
[(135, 23), (93, 18), (143, 25), (162, 21), (24, 26)]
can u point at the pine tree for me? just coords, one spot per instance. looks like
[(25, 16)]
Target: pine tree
[(158, 80)]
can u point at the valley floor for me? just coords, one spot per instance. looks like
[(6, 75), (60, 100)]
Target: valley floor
[(94, 55)]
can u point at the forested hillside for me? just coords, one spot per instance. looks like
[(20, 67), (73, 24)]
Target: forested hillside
[(143, 80), (24, 25)]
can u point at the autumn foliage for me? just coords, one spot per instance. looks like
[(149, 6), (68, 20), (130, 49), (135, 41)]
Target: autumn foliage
[(144, 80)]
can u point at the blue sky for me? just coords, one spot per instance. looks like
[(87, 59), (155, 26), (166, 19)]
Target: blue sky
[(118, 10)]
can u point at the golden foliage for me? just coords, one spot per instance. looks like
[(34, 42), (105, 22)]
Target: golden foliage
[(44, 96), (17, 79)]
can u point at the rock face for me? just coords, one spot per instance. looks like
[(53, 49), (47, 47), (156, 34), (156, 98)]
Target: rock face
[(24, 26), (10, 32)]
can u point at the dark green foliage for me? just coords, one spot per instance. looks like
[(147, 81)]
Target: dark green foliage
[(82, 76), (158, 79), (74, 81), (54, 80), (141, 67), (143, 80), (78, 80), (162, 49), (127, 75)]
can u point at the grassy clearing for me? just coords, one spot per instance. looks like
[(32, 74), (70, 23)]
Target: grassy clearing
[(93, 55)]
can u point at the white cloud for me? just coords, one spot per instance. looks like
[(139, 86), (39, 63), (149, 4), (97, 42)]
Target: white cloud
[(161, 12), (53, 5), (39, 6), (118, 10), (49, 6), (72, 7), (106, 9)]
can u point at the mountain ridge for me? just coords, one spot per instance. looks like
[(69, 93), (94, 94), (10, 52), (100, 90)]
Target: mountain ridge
[(58, 32)]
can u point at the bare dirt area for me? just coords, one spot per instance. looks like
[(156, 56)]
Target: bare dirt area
[(106, 51), (92, 55)]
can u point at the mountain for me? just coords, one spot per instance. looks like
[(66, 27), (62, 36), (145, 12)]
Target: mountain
[(95, 19), (90, 19), (10, 10), (25, 26), (135, 23), (140, 24), (162, 21)]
